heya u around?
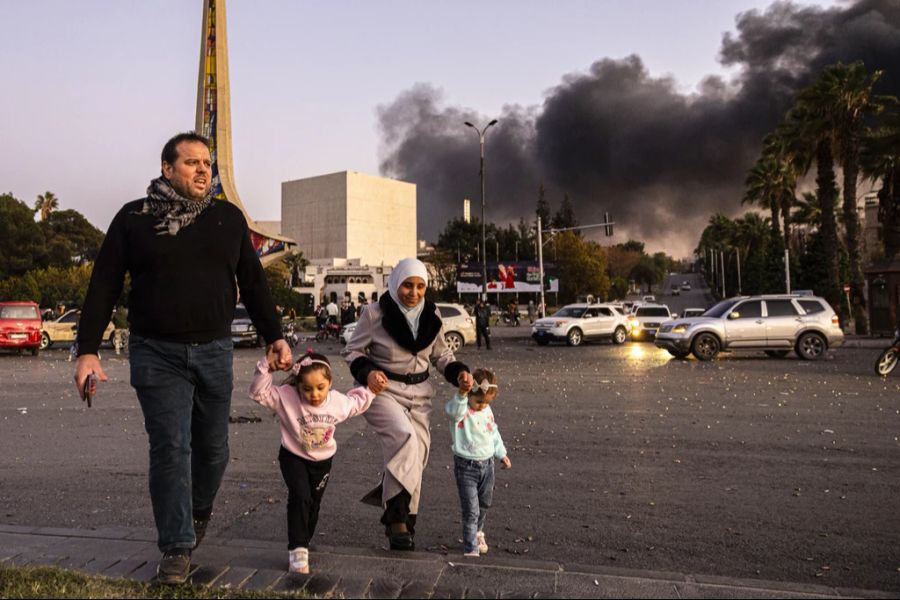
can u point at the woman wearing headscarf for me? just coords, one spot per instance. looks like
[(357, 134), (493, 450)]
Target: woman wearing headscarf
[(390, 351)]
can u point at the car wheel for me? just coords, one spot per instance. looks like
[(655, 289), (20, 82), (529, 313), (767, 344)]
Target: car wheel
[(619, 336), (575, 337), (542, 342), (678, 355), (777, 353), (706, 346), (454, 341), (811, 346), (887, 362), (45, 340)]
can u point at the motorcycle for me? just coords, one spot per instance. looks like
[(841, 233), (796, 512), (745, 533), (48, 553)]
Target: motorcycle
[(887, 360), (331, 330)]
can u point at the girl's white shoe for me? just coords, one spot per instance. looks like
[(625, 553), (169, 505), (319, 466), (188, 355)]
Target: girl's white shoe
[(482, 544), (299, 560)]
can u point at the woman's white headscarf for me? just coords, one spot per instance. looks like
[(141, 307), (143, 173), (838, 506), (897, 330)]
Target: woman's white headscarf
[(406, 268)]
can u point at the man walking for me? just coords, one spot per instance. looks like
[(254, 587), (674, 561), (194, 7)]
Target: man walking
[(187, 256), (483, 323)]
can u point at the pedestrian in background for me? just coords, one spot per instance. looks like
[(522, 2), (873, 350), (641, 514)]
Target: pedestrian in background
[(483, 323)]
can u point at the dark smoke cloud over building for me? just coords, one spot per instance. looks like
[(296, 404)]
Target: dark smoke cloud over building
[(617, 139)]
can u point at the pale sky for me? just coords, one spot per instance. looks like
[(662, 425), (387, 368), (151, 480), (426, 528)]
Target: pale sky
[(92, 89)]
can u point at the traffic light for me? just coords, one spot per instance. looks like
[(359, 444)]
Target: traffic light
[(608, 227)]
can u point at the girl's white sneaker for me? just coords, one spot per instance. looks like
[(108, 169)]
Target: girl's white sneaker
[(299, 560), (473, 553), (482, 544)]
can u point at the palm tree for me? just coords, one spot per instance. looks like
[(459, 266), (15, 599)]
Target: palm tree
[(844, 96), (766, 183), (880, 159), (809, 140), (296, 262), (45, 204)]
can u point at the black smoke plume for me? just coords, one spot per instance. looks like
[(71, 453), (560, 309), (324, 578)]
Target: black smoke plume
[(619, 140)]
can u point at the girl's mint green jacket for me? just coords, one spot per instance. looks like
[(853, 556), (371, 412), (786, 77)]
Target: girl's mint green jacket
[(475, 434)]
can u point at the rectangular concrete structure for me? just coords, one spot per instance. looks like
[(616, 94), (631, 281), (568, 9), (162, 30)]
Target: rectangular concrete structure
[(350, 215)]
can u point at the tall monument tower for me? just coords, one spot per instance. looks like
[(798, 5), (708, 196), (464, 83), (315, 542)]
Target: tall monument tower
[(214, 122)]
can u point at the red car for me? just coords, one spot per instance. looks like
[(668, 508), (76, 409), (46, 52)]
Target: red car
[(20, 326)]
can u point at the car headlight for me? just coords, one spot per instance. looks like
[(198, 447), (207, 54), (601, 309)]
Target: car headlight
[(559, 323), (681, 328)]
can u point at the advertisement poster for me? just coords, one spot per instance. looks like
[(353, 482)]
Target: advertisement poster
[(503, 277)]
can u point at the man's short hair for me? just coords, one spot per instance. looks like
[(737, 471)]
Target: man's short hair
[(170, 150)]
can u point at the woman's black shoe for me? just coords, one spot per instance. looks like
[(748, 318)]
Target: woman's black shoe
[(402, 541), (399, 540)]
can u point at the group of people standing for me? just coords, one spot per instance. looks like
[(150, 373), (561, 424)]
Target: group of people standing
[(188, 256)]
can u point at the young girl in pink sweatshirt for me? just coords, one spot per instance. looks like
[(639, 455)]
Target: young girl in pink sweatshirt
[(308, 410)]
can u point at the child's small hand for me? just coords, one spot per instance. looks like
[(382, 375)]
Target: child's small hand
[(506, 463)]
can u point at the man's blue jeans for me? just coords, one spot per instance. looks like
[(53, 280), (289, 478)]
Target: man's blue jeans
[(185, 394), (475, 482)]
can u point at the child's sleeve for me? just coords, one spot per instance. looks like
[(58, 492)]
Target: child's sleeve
[(499, 447), (261, 389), (359, 400), (456, 408)]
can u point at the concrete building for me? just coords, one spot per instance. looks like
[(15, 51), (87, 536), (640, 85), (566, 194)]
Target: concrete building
[(350, 215)]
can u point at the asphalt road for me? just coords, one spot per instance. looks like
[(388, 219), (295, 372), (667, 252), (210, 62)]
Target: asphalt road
[(747, 466)]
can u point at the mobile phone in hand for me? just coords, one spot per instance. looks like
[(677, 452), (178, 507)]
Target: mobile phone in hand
[(90, 383)]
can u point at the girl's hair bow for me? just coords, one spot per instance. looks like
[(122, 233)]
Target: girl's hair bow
[(483, 387)]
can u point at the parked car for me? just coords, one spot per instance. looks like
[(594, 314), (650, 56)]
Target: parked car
[(646, 320), (676, 291), (685, 286), (459, 326), (20, 326), (689, 313), (648, 299), (243, 331), (65, 328), (776, 324), (575, 323)]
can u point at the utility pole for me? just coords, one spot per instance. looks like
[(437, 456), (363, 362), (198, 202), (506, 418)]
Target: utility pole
[(722, 263), (540, 249), (738, 250), (787, 270)]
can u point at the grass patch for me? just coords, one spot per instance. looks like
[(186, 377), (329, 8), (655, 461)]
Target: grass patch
[(51, 582)]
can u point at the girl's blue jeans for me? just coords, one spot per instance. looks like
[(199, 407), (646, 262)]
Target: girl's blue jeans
[(185, 395), (475, 482)]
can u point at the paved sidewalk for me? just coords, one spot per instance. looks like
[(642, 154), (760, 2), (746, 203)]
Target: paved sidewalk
[(365, 573)]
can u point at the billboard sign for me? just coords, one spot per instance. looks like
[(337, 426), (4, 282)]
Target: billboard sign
[(507, 277)]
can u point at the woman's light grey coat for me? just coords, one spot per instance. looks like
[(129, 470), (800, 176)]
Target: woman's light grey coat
[(400, 413)]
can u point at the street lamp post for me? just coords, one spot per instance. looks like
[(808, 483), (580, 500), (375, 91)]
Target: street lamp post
[(481, 133)]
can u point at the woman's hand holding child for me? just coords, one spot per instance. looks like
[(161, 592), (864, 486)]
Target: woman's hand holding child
[(377, 381), (466, 382)]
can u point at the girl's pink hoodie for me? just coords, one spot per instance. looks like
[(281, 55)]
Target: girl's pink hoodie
[(306, 430)]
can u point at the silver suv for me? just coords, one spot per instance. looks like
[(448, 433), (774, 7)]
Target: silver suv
[(776, 324), (575, 323)]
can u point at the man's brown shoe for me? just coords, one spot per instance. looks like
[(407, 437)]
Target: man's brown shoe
[(174, 567)]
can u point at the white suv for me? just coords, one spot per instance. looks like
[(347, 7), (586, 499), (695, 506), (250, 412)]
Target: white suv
[(646, 319), (575, 323), (459, 327)]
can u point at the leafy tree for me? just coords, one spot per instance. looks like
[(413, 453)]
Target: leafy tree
[(21, 240), (278, 276), (20, 287), (45, 204), (771, 184), (70, 238), (582, 267), (633, 245)]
